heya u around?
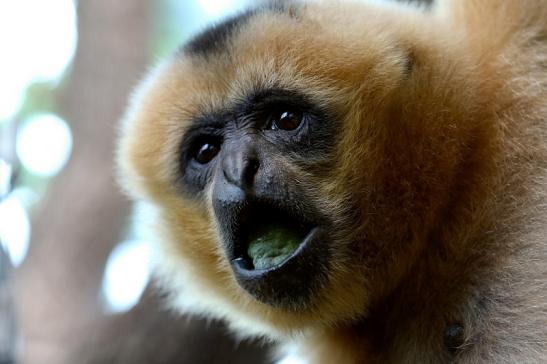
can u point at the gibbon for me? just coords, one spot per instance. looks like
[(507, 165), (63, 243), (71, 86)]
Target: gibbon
[(361, 182)]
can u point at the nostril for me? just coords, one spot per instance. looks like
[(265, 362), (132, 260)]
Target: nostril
[(240, 170), (251, 168)]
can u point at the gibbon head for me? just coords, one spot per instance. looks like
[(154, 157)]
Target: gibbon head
[(297, 158)]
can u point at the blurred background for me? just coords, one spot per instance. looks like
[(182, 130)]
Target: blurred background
[(74, 275)]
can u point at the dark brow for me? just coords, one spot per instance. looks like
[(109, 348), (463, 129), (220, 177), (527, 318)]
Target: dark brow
[(254, 102)]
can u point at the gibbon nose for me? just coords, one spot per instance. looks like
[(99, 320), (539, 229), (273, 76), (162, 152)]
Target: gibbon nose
[(240, 166)]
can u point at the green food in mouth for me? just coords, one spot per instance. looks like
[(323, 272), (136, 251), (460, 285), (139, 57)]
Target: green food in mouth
[(272, 244)]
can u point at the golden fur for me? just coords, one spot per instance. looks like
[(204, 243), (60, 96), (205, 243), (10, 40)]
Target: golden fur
[(439, 186)]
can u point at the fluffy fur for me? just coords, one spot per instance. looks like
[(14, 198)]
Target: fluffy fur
[(437, 182)]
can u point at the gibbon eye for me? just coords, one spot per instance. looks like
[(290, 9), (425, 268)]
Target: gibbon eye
[(285, 120), (207, 152)]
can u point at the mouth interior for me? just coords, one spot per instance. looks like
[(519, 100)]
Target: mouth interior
[(273, 242)]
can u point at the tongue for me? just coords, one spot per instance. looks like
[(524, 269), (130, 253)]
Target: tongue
[(272, 245)]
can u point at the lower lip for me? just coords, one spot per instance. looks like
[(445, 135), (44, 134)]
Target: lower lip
[(241, 266), (293, 283)]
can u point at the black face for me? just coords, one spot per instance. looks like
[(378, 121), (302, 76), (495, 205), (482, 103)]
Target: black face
[(251, 155)]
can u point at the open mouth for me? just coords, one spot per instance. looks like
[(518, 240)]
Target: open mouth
[(268, 238), (277, 255), (277, 246)]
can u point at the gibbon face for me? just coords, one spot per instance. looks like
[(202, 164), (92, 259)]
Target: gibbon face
[(297, 157)]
